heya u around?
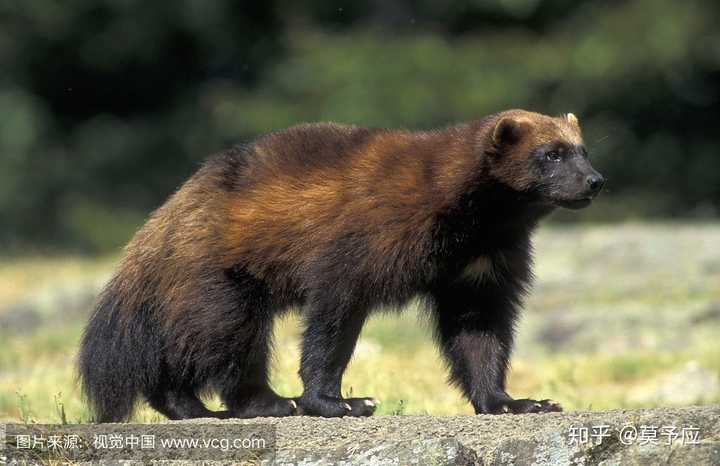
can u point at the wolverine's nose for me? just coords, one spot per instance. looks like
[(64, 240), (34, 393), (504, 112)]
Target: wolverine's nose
[(595, 182)]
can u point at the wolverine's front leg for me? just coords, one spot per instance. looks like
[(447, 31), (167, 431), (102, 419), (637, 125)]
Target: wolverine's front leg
[(475, 329)]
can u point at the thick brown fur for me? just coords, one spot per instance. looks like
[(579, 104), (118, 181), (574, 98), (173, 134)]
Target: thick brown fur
[(335, 220)]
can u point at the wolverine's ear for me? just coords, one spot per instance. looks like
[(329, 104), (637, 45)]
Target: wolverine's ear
[(509, 130), (572, 119)]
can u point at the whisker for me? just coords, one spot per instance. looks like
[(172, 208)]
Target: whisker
[(602, 139)]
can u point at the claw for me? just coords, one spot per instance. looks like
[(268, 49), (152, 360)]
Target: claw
[(347, 406), (293, 404)]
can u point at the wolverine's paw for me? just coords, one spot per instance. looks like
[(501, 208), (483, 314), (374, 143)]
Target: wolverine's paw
[(522, 406), (268, 406), (362, 406), (327, 406)]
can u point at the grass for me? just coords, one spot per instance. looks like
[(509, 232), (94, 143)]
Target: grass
[(616, 312)]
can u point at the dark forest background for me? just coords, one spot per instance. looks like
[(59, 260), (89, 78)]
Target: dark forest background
[(106, 106)]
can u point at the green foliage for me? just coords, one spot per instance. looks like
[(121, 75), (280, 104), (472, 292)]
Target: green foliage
[(108, 106), (60, 409), (24, 408), (400, 410)]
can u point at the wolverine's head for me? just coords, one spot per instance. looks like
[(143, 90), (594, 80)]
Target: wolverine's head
[(543, 157)]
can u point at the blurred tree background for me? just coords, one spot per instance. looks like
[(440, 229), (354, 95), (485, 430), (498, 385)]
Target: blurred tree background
[(106, 106)]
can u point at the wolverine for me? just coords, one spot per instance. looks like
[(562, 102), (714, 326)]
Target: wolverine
[(335, 221)]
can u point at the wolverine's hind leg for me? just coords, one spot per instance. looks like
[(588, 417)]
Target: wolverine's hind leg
[(248, 401), (182, 404), (246, 391), (243, 383), (221, 343)]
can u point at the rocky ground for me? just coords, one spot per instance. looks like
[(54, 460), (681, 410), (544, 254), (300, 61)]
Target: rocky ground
[(661, 436), (632, 437)]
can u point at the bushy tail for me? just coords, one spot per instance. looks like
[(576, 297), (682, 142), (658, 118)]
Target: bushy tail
[(119, 356)]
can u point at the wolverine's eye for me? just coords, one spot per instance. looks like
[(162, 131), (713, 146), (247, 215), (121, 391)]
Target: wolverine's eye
[(553, 156)]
